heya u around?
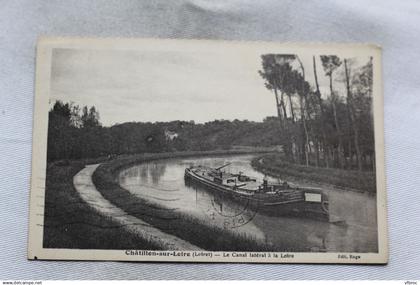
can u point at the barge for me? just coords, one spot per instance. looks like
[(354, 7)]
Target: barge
[(279, 199)]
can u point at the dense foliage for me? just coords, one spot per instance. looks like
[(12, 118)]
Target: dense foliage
[(329, 129), (73, 134), (333, 129)]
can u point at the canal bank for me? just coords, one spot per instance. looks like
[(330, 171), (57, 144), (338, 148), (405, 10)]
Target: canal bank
[(83, 184), (69, 222), (348, 180), (155, 190), (168, 219)]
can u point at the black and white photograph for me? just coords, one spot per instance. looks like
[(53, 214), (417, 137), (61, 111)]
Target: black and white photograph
[(208, 151)]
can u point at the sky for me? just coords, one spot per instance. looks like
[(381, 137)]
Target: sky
[(164, 84)]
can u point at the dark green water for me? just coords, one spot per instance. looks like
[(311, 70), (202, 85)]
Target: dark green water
[(162, 182)]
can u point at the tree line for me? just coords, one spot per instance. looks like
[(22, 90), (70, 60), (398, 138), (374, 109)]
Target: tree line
[(331, 128), (75, 132), (323, 130)]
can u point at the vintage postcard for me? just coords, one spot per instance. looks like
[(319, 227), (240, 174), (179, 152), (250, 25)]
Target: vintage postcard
[(208, 151)]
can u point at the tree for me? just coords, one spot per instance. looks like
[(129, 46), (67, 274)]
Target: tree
[(75, 118), (275, 70), (360, 107), (326, 150), (58, 135), (90, 118), (282, 78), (303, 89), (330, 63)]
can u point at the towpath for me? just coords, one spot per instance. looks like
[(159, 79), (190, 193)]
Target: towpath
[(84, 186)]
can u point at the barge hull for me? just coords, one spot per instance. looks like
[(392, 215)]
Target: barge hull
[(294, 208)]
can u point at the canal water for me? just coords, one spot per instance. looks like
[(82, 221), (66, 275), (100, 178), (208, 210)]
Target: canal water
[(352, 226)]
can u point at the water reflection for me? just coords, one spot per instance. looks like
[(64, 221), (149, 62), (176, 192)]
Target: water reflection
[(146, 173), (163, 183)]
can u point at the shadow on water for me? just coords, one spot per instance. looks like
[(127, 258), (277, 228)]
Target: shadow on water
[(163, 183)]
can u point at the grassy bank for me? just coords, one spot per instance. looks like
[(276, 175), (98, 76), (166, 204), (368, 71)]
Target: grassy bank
[(275, 165), (125, 161), (70, 223), (186, 227)]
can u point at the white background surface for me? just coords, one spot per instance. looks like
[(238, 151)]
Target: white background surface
[(395, 25)]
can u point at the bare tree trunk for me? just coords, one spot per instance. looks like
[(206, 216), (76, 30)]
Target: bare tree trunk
[(292, 112), (309, 132), (283, 106), (316, 144), (281, 112), (312, 137), (350, 163), (321, 107), (305, 129), (353, 117), (350, 131), (337, 125), (293, 137), (303, 107)]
